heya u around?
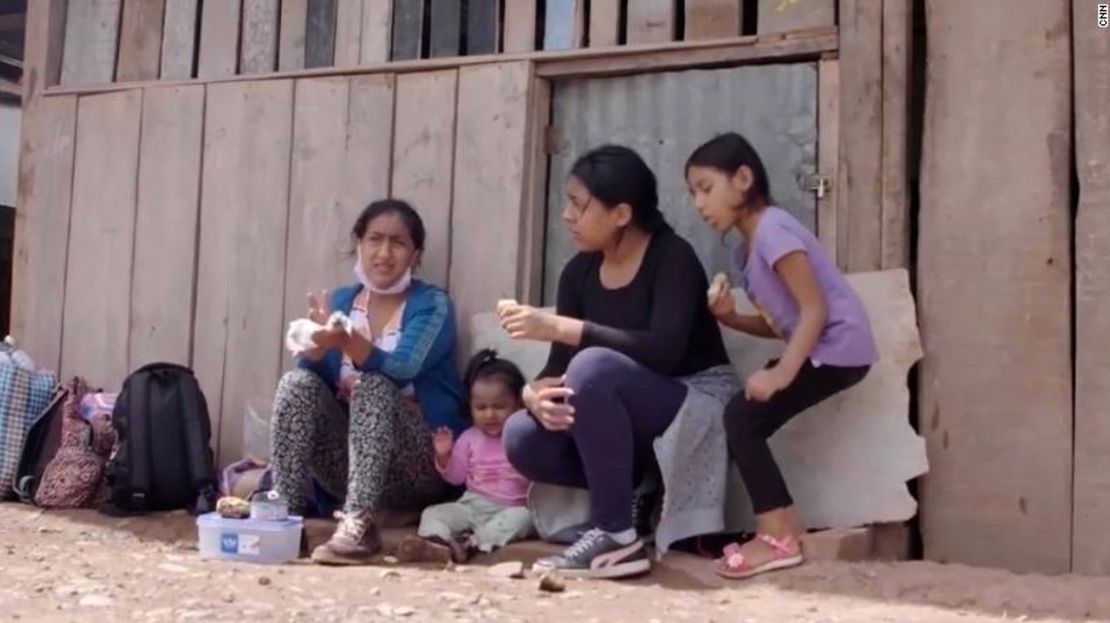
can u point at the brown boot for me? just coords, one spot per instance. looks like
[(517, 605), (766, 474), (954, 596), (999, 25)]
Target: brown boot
[(416, 549), (356, 540)]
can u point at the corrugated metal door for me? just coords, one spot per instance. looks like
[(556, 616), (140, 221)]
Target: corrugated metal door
[(664, 116)]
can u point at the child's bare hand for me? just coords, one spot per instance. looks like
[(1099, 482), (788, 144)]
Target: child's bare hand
[(723, 306), (763, 385), (318, 308), (443, 440)]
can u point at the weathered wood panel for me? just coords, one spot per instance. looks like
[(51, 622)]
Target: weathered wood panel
[(294, 24), (140, 42), (785, 15), (98, 271), (861, 118), (563, 24), (219, 39), (520, 26), (828, 150), (320, 33), (370, 123), (42, 226), (348, 32), (377, 27), (423, 160), (91, 33), (713, 19), (994, 281), (408, 29), (605, 23), (490, 154), (651, 21), (241, 269), (446, 28), (179, 41), (259, 48), (483, 34), (166, 225), (1090, 549), (534, 212), (897, 41)]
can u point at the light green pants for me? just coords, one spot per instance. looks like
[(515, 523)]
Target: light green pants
[(493, 525)]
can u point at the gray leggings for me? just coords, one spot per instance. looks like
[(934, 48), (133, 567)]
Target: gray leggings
[(377, 455)]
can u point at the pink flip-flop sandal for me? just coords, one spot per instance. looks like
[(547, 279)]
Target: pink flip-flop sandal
[(734, 566)]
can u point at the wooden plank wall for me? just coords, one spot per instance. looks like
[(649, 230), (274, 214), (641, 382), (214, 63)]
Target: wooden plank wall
[(294, 22), (605, 23), (713, 19), (651, 21), (1091, 53), (140, 40), (219, 39), (258, 48), (91, 35), (520, 26), (179, 39), (994, 286), (777, 16)]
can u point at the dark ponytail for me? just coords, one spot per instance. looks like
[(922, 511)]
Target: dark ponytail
[(727, 153), (615, 174), (487, 365)]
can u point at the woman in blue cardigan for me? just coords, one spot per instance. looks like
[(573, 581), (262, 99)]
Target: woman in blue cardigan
[(357, 414)]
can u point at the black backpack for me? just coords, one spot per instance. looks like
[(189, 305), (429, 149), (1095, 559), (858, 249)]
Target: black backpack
[(163, 460)]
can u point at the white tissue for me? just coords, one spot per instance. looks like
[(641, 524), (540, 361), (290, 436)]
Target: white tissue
[(299, 337)]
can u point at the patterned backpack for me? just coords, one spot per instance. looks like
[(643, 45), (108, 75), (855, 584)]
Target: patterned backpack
[(77, 475)]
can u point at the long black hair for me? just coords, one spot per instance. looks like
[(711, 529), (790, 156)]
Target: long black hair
[(487, 365), (401, 208), (615, 174), (727, 153)]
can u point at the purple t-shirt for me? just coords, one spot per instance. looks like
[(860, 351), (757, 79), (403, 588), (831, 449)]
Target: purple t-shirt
[(846, 340)]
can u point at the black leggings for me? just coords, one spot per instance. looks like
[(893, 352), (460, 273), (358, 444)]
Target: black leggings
[(749, 424)]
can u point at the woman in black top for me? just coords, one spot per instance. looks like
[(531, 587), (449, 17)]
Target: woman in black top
[(631, 320)]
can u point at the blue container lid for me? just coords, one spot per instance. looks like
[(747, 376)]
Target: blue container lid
[(214, 520)]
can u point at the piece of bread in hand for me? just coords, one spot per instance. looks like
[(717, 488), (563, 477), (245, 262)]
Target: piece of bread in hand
[(299, 337), (719, 284), (505, 304)]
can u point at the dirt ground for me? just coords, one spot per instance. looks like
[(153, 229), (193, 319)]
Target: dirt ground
[(86, 567)]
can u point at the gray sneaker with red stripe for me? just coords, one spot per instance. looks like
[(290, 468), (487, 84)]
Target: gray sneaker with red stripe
[(598, 555)]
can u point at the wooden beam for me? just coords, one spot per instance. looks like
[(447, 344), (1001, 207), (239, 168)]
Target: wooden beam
[(377, 27), (219, 40), (807, 45), (861, 118), (258, 50), (348, 32), (713, 19), (294, 25), (140, 40), (91, 36), (897, 43), (994, 286), (777, 16), (605, 23), (1091, 53), (651, 21), (828, 151), (520, 26), (179, 39), (46, 143), (534, 212)]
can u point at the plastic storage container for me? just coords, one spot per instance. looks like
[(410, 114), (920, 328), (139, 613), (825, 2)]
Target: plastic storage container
[(249, 540)]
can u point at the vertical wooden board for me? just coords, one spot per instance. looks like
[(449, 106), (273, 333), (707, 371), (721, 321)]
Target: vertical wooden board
[(828, 150), (98, 269), (348, 32), (219, 39), (423, 160), (240, 275), (777, 16), (1090, 550), (713, 19), (520, 26), (605, 23), (320, 34), (651, 21), (318, 223), (140, 41), (483, 30), (897, 18), (490, 156), (534, 215), (179, 39), (994, 285), (377, 26), (563, 24), (446, 28), (368, 166), (259, 49), (91, 33), (294, 22), (166, 225), (42, 226), (861, 118), (408, 29)]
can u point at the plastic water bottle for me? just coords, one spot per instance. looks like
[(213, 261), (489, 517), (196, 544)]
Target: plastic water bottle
[(269, 506)]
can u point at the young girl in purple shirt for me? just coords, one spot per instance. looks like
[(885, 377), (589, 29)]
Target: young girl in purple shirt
[(802, 299)]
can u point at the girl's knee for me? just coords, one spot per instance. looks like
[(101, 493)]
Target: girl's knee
[(375, 386), (297, 394), (598, 367), (299, 380), (515, 436)]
